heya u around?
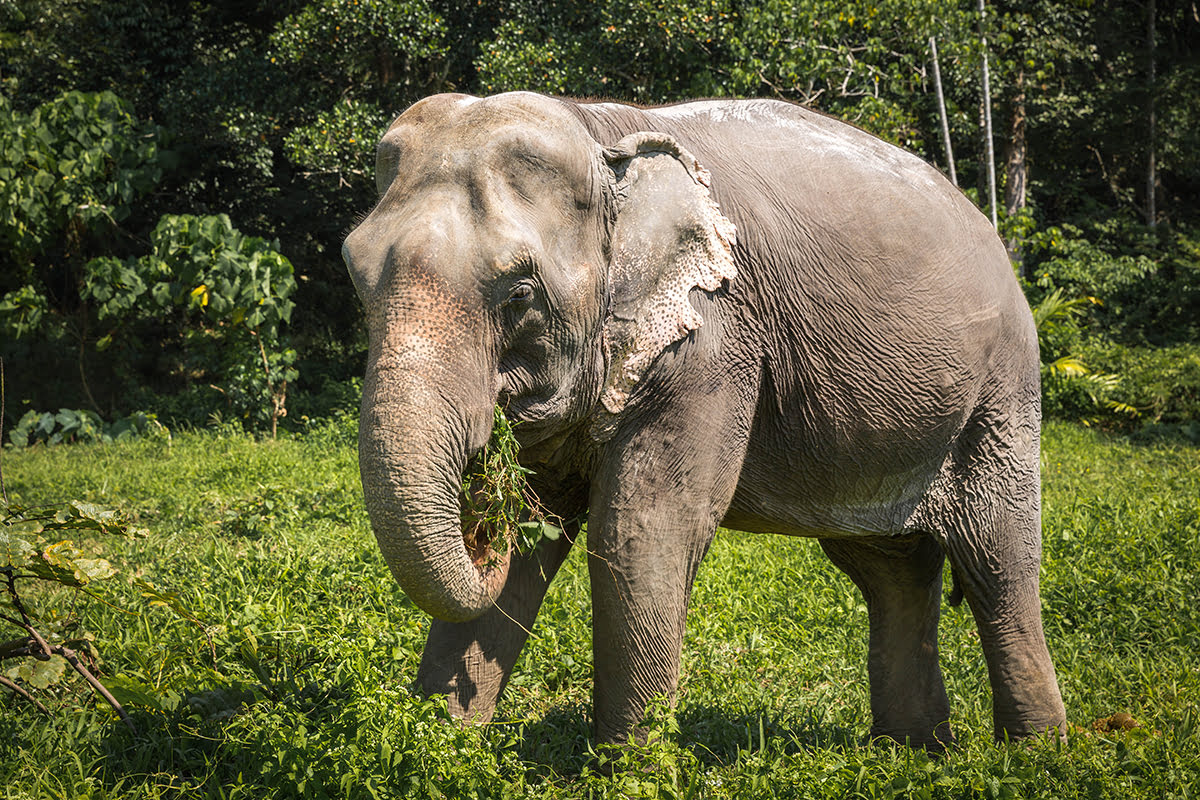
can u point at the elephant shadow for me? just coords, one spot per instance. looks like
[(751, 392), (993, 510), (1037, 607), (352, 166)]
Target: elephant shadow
[(561, 741), (718, 735)]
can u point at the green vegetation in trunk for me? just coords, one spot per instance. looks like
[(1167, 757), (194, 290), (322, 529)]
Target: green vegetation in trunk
[(499, 509)]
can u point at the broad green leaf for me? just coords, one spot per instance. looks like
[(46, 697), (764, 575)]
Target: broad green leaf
[(58, 564), (130, 691), (540, 530), (93, 569), (102, 519), (16, 551), (38, 674)]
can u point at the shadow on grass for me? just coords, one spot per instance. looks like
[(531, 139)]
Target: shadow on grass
[(190, 747), (718, 736), (1176, 434), (561, 742)]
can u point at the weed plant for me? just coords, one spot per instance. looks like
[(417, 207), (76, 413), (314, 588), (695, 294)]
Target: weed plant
[(306, 690)]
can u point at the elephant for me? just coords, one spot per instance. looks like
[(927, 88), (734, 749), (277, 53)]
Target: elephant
[(721, 313)]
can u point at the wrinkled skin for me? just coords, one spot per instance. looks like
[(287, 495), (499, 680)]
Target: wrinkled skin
[(736, 313)]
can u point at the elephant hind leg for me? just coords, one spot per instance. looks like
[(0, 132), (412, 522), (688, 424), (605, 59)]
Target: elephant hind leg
[(901, 580), (993, 540)]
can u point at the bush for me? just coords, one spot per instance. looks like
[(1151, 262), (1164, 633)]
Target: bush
[(222, 298), (72, 166), (1163, 384), (81, 425), (1145, 284)]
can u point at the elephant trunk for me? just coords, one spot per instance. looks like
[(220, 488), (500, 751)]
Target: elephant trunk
[(414, 443)]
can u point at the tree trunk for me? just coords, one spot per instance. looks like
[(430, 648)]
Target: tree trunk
[(1151, 167), (1016, 169), (937, 80), (989, 148)]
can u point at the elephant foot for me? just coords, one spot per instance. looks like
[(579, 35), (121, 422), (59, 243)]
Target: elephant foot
[(934, 740), (1050, 727)]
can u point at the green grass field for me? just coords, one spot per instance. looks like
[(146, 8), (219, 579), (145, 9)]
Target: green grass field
[(268, 546)]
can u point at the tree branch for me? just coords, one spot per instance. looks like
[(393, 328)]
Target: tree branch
[(16, 648), (3, 491), (20, 692), (73, 659), (67, 653)]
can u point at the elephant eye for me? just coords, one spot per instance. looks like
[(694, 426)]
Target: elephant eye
[(521, 293)]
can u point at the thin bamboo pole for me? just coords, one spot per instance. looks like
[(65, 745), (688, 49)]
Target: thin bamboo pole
[(987, 119), (937, 82)]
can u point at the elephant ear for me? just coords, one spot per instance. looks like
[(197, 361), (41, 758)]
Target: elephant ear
[(668, 238), (387, 158)]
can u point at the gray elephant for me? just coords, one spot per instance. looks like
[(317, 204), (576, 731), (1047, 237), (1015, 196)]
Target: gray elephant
[(733, 312)]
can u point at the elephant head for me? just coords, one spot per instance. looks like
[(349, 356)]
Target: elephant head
[(511, 259)]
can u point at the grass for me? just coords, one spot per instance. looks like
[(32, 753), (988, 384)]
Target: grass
[(267, 544)]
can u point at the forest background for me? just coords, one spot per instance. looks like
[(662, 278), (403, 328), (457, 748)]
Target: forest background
[(178, 176)]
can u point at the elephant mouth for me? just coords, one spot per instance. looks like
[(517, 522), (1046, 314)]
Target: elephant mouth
[(534, 420), (498, 510)]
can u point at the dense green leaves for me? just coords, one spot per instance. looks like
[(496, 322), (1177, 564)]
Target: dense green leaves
[(271, 111), (203, 265), (22, 310), (75, 163), (81, 425), (228, 296), (362, 39), (340, 140)]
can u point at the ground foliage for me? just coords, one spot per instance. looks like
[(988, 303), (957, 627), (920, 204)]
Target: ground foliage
[(264, 549), (117, 117)]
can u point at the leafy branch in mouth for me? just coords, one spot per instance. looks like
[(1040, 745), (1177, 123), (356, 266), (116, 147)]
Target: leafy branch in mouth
[(498, 509)]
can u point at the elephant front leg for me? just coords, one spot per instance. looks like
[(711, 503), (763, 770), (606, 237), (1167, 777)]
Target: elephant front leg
[(642, 565), (654, 511), (471, 662), (902, 583)]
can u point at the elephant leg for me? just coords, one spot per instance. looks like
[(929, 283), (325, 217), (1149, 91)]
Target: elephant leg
[(471, 661), (997, 568), (654, 511), (901, 581), (993, 540), (642, 568)]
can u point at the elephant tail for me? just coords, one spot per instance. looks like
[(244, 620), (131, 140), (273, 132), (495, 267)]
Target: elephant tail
[(956, 590)]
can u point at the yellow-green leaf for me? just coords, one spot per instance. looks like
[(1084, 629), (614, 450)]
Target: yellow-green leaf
[(200, 295), (15, 551), (58, 564), (93, 569), (1067, 366), (38, 674)]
